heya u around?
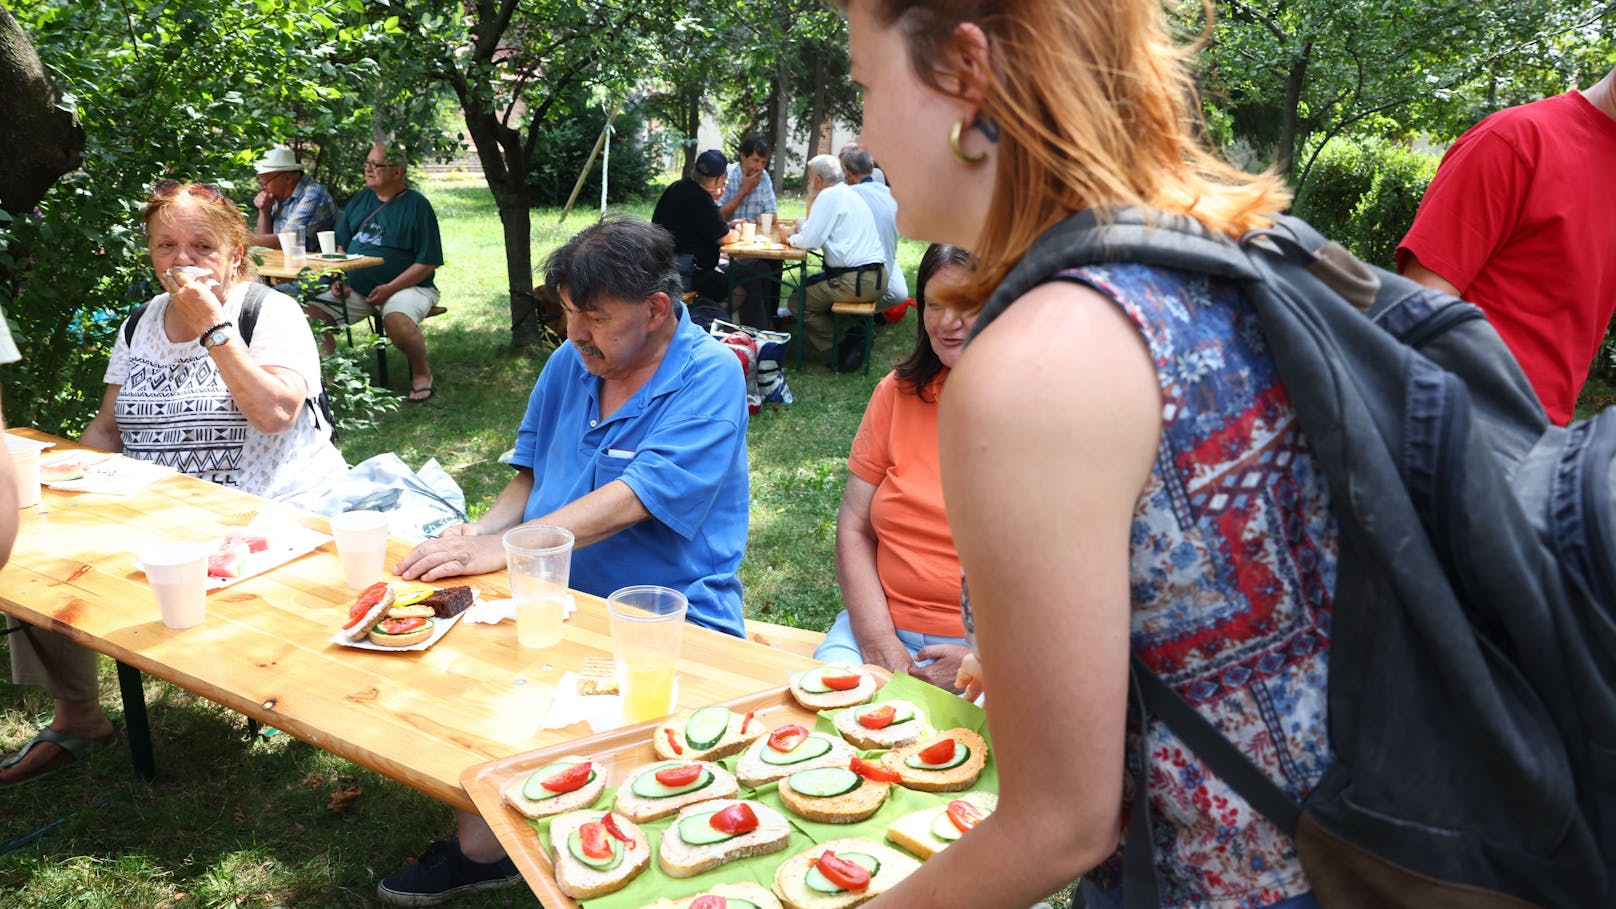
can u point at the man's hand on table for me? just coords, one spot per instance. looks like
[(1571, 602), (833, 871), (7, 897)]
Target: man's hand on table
[(890, 654), (461, 549)]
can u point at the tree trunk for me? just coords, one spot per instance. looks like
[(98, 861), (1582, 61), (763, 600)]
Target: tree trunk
[(692, 125), (505, 167), (816, 112), (777, 125), (42, 141), (1290, 132)]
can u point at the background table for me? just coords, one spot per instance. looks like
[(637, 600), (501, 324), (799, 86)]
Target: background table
[(791, 259), (275, 264), (417, 717)]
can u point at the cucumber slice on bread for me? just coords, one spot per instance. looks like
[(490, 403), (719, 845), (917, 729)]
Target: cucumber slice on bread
[(646, 785), (962, 753), (944, 827), (575, 845), (534, 787), (818, 882), (698, 830), (811, 747), (706, 726), (825, 782)]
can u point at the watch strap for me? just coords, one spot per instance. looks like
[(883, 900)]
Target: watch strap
[(207, 335)]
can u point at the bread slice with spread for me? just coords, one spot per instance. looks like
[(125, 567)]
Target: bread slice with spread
[(889, 724), (930, 830), (948, 762), (832, 795), (808, 880), (737, 895), (832, 686), (596, 853), (706, 734), (788, 749), (719, 831), (555, 788), (660, 789)]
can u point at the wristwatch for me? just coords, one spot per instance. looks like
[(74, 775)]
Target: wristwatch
[(218, 334)]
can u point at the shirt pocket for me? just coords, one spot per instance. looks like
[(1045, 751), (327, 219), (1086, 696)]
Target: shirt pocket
[(609, 466)]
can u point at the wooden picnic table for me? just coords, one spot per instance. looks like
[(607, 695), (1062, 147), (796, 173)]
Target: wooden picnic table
[(420, 718), (793, 271), (276, 267)]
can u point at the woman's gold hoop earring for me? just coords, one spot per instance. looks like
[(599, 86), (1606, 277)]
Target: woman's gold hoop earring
[(959, 153)]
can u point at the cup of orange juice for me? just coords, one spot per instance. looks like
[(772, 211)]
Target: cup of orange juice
[(647, 624)]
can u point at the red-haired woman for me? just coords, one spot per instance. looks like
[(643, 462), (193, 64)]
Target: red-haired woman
[(1120, 462)]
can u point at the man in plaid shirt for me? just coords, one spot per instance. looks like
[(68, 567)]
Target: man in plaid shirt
[(750, 191), (289, 199)]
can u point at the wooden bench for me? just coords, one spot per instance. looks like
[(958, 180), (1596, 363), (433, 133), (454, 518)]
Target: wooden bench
[(800, 641), (854, 313)]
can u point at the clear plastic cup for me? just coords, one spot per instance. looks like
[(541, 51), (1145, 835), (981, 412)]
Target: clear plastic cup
[(539, 558), (361, 545), (25, 461), (647, 626), (748, 231), (292, 244), (178, 574)]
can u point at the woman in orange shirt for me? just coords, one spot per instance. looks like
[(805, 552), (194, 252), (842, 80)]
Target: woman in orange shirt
[(895, 558)]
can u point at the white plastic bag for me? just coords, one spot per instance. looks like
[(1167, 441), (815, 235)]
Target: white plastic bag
[(419, 505)]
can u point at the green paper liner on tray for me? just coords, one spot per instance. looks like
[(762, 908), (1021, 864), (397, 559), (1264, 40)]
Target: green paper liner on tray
[(943, 711)]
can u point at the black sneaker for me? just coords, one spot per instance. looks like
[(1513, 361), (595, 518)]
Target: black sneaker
[(442, 873)]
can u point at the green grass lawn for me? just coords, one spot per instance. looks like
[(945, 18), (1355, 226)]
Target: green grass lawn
[(233, 821)]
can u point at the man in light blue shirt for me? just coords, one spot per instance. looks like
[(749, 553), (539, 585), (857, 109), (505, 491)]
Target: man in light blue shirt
[(859, 169), (289, 199), (635, 440)]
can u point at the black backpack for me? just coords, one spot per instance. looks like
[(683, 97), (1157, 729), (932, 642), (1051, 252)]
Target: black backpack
[(1472, 681), (319, 408)]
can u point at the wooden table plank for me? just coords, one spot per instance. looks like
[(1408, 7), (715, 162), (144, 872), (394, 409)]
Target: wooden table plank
[(417, 717), (275, 265)]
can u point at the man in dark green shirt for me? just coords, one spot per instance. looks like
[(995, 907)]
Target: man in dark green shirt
[(392, 221)]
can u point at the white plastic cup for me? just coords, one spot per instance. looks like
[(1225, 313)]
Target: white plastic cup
[(539, 558), (748, 231), (178, 574), (647, 625), (361, 545), (26, 462), (292, 245), (328, 242), (765, 223)]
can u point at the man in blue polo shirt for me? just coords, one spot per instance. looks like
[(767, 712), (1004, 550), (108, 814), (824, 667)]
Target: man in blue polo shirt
[(635, 440)]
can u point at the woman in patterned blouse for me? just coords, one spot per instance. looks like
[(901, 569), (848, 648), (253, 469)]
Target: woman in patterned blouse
[(1121, 466)]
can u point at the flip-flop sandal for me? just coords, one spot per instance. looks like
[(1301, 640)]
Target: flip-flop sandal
[(430, 391), (73, 748)]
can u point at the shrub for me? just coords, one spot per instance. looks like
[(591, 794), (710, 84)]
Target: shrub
[(1363, 193), (563, 144)]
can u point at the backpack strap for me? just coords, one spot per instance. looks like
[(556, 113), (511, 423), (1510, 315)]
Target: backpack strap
[(134, 318)]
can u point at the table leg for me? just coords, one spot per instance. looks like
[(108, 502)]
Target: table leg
[(134, 717)]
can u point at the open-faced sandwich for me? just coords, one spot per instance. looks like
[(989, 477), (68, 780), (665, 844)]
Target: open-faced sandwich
[(787, 750), (596, 853), (719, 831), (831, 686), (391, 615), (840, 873), (837, 795), (706, 734), (658, 790), (949, 762), (889, 724), (564, 785), (928, 831), (737, 895)]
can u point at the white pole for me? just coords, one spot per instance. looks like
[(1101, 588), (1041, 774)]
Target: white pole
[(605, 166)]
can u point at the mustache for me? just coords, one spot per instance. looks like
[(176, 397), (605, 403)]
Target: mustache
[(588, 350)]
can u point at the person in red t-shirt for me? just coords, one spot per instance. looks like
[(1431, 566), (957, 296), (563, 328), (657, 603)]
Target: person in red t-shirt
[(895, 557), (1521, 220)]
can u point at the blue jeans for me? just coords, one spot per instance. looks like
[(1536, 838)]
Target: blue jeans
[(1095, 898), (840, 646)]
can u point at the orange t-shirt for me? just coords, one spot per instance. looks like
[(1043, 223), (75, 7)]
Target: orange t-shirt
[(896, 450)]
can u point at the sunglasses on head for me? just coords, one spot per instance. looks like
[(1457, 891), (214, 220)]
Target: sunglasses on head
[(168, 189)]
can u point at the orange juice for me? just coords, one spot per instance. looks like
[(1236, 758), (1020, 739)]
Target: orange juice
[(647, 690)]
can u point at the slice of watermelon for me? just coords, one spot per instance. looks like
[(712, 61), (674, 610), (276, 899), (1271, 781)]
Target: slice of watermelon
[(253, 541), (227, 561)]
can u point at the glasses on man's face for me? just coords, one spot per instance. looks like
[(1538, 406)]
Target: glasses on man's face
[(168, 189), (379, 165)]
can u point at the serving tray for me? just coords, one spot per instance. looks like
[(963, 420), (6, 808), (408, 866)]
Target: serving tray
[(619, 752)]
